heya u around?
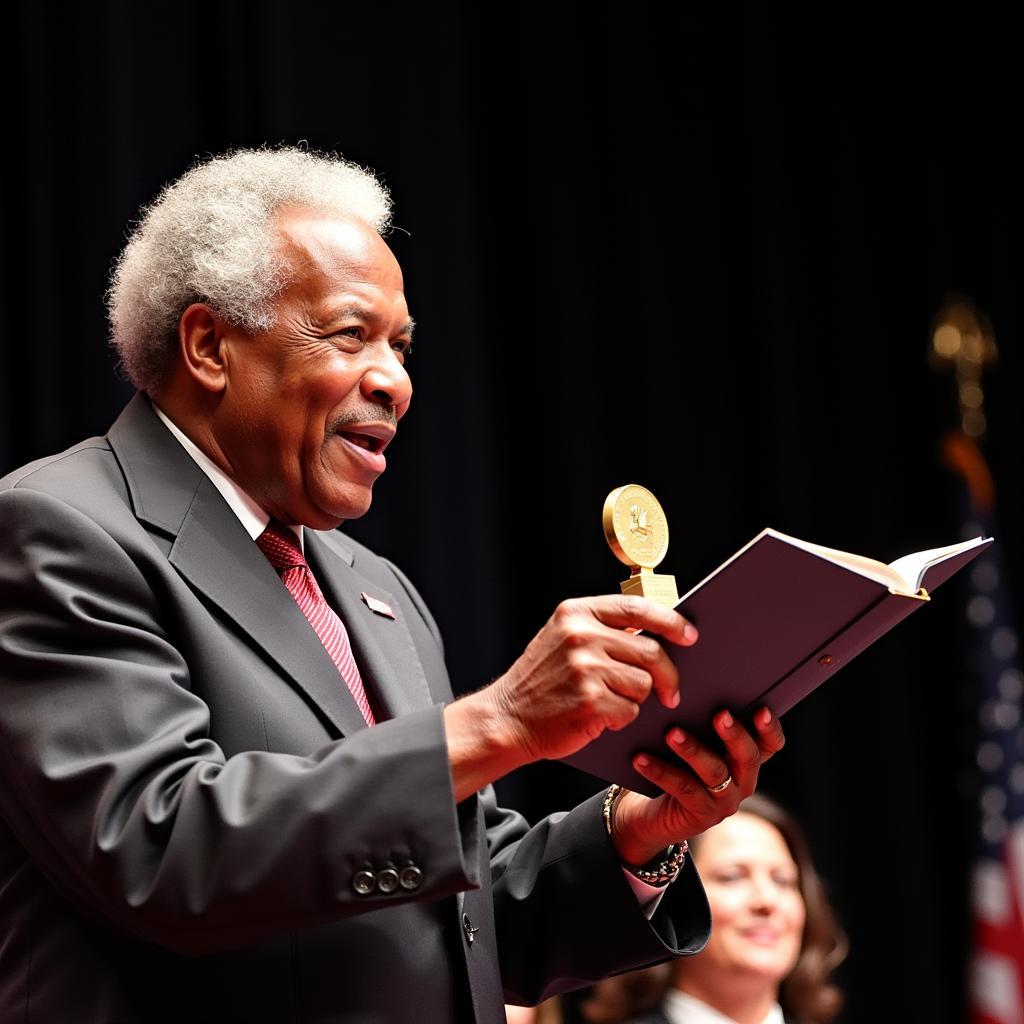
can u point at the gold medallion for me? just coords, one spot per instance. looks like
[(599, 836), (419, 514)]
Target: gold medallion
[(634, 524), (637, 532)]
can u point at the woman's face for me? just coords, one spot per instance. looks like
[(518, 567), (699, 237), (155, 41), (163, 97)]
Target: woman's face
[(753, 886)]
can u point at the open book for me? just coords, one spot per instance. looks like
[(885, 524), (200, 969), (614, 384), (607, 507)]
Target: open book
[(776, 620)]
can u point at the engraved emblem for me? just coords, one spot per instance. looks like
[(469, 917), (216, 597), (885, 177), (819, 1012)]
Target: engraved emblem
[(638, 520), (635, 526)]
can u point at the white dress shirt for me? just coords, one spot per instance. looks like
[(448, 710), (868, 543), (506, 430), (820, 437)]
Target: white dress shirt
[(250, 515), (682, 1008)]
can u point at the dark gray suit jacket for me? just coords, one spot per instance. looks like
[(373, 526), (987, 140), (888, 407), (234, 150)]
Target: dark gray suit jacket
[(188, 792)]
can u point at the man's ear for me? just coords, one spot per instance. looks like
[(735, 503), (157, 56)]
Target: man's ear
[(203, 350)]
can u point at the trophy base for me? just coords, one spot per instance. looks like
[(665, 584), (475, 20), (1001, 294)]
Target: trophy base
[(658, 587)]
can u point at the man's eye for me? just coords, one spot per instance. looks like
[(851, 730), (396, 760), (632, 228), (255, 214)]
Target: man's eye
[(403, 348), (350, 332)]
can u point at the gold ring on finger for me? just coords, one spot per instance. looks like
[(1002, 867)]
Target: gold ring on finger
[(721, 787)]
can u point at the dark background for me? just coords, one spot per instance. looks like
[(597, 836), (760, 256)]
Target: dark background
[(699, 254)]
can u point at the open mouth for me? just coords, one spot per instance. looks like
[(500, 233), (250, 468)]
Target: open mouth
[(365, 441)]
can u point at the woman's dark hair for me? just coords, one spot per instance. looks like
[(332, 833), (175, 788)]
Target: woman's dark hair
[(806, 994)]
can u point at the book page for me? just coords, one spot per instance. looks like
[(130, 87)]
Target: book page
[(913, 567), (903, 575), (887, 575)]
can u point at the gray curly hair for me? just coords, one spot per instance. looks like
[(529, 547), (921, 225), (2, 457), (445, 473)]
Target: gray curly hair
[(208, 237)]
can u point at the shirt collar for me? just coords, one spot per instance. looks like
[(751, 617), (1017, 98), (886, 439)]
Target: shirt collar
[(682, 1008), (249, 514)]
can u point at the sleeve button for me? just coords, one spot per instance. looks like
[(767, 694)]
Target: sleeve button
[(410, 877), (387, 880), (363, 882)]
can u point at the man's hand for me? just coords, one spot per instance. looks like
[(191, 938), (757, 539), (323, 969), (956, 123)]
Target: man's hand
[(584, 672), (643, 827)]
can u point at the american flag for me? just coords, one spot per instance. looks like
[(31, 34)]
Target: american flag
[(996, 990)]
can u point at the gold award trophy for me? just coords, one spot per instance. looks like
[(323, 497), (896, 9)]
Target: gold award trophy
[(635, 527)]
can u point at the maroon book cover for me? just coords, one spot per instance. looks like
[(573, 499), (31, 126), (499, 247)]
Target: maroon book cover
[(776, 620)]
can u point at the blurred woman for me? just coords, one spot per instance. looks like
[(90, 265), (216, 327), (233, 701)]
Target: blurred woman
[(774, 938), (547, 1013)]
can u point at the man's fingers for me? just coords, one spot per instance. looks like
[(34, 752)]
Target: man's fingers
[(744, 753), (625, 611), (621, 712), (770, 737), (701, 792), (709, 768), (646, 653), (628, 681), (682, 786), (606, 703)]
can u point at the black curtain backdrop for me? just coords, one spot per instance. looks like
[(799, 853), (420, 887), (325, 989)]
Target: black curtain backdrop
[(699, 254)]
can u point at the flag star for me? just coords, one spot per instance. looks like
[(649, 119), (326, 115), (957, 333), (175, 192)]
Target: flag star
[(984, 575), (1011, 685), (1006, 715), (990, 756), (1004, 642), (994, 829), (993, 801)]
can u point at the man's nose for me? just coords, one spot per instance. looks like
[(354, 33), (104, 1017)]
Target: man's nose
[(387, 382)]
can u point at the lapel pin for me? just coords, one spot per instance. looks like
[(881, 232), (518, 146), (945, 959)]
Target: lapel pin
[(375, 604)]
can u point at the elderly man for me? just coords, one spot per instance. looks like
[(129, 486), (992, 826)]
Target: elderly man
[(234, 785)]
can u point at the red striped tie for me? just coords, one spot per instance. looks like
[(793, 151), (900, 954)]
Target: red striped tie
[(283, 552)]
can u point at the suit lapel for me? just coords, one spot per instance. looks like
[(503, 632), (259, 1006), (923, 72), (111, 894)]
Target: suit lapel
[(213, 552), (383, 646), (216, 555)]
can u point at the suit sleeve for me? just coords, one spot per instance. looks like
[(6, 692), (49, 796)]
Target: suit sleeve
[(111, 781), (564, 912)]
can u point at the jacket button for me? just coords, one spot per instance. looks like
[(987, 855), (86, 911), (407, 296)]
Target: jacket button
[(410, 877), (363, 882), (468, 929), (387, 880)]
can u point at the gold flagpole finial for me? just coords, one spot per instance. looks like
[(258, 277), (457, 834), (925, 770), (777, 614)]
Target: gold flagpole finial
[(963, 341)]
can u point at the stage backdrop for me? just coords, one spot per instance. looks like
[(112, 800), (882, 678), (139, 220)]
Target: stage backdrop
[(698, 255)]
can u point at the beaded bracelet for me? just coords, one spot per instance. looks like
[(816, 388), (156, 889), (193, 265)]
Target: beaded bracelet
[(659, 873)]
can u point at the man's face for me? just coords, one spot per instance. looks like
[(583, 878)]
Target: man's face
[(310, 405)]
